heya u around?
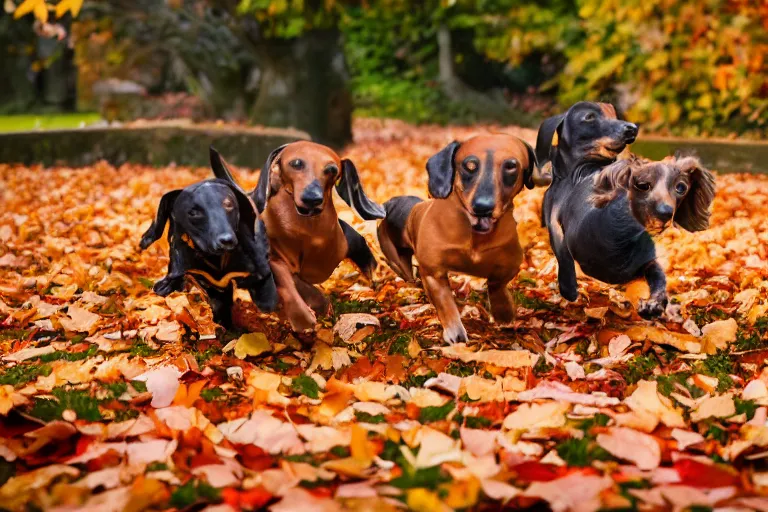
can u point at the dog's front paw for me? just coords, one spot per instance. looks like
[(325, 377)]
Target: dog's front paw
[(653, 307), (168, 285), (569, 293), (455, 334), (302, 319)]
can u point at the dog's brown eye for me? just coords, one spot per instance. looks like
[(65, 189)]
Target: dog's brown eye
[(471, 164), (590, 117), (331, 170), (643, 185), (297, 164), (195, 213), (228, 204), (509, 165), (681, 188)]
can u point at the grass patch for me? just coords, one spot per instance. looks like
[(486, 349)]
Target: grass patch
[(721, 367), (47, 122), (640, 368), (23, 373), (194, 492), (63, 355), (211, 394), (581, 452), (141, 349), (436, 413), (364, 417), (81, 402), (536, 304), (343, 307)]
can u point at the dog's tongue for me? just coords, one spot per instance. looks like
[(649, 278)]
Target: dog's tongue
[(484, 224)]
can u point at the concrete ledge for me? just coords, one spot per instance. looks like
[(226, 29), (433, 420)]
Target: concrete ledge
[(156, 144)]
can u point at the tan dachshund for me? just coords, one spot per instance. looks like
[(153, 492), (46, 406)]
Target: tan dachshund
[(468, 227), (307, 239)]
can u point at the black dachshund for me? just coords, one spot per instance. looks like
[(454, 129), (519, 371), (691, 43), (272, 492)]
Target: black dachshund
[(215, 238), (591, 217)]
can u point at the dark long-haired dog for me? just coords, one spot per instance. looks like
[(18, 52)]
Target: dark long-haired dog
[(307, 239), (605, 222), (215, 238), (467, 227)]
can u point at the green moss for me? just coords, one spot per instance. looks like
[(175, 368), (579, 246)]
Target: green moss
[(194, 492), (477, 422), (211, 394), (400, 345), (534, 303), (141, 349), (720, 366)]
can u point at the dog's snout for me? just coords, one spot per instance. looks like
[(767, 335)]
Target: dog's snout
[(227, 241), (664, 212), (483, 206), (312, 197), (629, 132)]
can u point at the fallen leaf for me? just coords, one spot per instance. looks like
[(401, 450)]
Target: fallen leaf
[(628, 444)]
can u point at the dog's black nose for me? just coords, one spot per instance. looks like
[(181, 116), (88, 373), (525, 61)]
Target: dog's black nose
[(664, 212), (312, 197), (227, 241), (483, 206), (630, 131)]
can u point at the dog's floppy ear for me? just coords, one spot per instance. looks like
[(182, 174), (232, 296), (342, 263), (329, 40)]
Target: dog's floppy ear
[(609, 181), (157, 227), (351, 191), (440, 170), (693, 212), (528, 175), (545, 138), (267, 186), (221, 169)]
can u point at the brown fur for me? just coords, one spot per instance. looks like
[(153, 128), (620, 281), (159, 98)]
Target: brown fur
[(649, 184), (442, 233), (308, 248)]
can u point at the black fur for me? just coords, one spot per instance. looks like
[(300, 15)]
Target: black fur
[(216, 241), (358, 250), (351, 191), (440, 170), (398, 209)]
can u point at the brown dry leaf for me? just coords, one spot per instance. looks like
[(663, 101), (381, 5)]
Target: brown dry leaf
[(721, 406), (682, 342), (501, 358), (79, 320), (718, 335), (349, 324), (629, 444)]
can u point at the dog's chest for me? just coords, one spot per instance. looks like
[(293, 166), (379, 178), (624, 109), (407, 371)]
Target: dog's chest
[(312, 254), (219, 271)]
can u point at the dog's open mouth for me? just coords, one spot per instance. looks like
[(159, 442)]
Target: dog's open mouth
[(308, 212), (482, 224)]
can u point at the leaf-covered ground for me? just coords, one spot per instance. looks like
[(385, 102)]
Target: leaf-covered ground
[(115, 399)]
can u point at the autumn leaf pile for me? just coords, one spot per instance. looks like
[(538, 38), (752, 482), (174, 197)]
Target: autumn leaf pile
[(113, 398)]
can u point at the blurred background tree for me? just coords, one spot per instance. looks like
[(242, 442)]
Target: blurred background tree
[(688, 67)]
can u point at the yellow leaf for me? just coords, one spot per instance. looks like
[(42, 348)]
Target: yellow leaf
[(186, 395), (41, 11), (63, 7), (26, 7), (422, 500), (361, 449), (462, 493), (250, 344)]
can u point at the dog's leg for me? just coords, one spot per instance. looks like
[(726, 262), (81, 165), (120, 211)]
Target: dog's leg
[(221, 305), (178, 265), (657, 282), (566, 268), (263, 292), (299, 314), (314, 298), (439, 293), (502, 303), (358, 250), (400, 259)]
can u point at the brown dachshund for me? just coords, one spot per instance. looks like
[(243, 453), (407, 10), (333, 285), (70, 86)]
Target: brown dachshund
[(307, 239), (468, 227)]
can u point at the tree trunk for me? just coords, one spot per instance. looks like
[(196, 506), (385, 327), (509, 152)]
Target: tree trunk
[(304, 85)]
